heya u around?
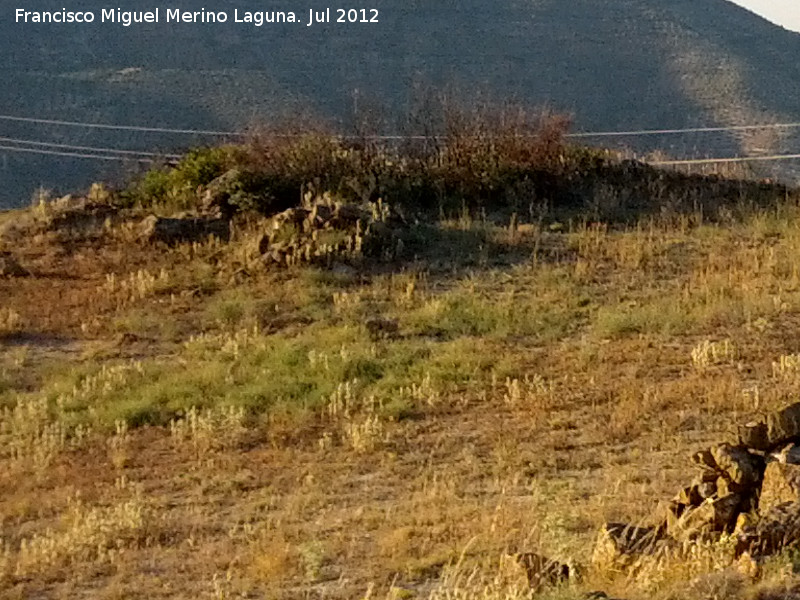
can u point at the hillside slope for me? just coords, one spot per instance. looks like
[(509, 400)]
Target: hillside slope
[(618, 63)]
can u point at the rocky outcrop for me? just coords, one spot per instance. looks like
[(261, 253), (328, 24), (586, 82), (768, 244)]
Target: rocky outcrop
[(750, 489), (781, 485), (324, 232), (775, 431), (776, 529), (176, 230), (619, 545), (540, 571)]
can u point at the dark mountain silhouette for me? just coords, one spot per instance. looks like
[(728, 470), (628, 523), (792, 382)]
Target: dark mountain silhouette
[(613, 64)]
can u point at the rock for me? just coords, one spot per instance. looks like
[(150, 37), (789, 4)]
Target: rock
[(689, 496), (541, 571), (347, 215), (739, 465), (778, 528), (790, 454), (183, 229), (295, 217), (748, 566), (754, 436), (784, 425), (714, 515), (781, 484), (705, 459), (778, 429), (706, 489), (619, 545), (9, 267), (215, 200)]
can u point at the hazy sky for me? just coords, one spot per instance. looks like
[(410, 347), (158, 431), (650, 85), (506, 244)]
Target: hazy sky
[(783, 12)]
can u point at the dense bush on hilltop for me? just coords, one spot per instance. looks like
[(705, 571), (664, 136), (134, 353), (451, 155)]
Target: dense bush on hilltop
[(483, 161)]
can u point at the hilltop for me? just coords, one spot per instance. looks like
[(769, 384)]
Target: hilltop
[(617, 64), (304, 367)]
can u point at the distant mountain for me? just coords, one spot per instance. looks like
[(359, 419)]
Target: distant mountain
[(624, 64)]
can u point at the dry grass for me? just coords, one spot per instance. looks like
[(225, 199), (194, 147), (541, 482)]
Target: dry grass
[(279, 450)]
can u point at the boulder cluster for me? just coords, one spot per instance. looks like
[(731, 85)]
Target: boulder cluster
[(324, 231), (748, 489)]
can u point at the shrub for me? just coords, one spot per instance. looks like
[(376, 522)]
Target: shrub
[(176, 187)]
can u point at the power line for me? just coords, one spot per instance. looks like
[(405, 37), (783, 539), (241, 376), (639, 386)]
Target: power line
[(585, 134), (116, 127), (87, 148), (581, 134), (737, 159), (74, 154)]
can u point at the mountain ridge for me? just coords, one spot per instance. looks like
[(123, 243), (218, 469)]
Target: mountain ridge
[(622, 64)]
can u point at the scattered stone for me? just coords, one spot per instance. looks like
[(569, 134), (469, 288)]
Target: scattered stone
[(778, 528), (325, 232), (619, 545), (713, 516), (176, 230), (781, 484), (597, 596), (784, 425), (707, 489), (739, 465), (295, 217), (217, 199), (790, 455), (690, 496), (778, 429), (754, 435), (541, 571), (748, 566), (705, 459)]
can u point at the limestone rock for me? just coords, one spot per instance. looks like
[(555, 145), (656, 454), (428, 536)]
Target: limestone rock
[(754, 435), (541, 571), (784, 425), (295, 217), (776, 430), (781, 484), (790, 454), (739, 465), (215, 200), (778, 528), (619, 545), (183, 229), (713, 516)]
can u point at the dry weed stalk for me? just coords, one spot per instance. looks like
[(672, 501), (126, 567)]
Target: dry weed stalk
[(88, 534), (213, 429), (360, 426), (136, 286), (32, 435), (787, 367), (708, 353), (10, 321)]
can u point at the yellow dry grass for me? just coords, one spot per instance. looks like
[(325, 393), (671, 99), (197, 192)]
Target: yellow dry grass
[(220, 431)]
